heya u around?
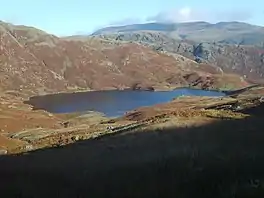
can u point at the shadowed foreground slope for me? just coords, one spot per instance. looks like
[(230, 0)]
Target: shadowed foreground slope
[(222, 159)]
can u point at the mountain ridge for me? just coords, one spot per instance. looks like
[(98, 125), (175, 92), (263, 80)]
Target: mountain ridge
[(241, 51), (35, 62), (196, 31)]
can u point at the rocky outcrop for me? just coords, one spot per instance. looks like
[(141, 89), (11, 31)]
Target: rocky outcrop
[(223, 32), (138, 86), (3, 152), (35, 62), (246, 60)]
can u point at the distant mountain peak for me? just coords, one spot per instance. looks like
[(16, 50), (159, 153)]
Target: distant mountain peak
[(233, 32)]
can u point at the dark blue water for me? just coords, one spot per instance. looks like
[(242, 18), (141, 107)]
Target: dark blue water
[(111, 103)]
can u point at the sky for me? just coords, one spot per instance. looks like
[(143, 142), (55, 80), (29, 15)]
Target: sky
[(69, 17)]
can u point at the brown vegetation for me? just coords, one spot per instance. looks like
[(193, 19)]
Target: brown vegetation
[(34, 62), (219, 157), (191, 146)]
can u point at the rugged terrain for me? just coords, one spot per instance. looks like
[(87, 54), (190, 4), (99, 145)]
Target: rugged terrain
[(181, 147), (34, 62), (234, 47), (193, 146), (222, 32)]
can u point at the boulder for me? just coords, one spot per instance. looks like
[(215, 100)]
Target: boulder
[(3, 152)]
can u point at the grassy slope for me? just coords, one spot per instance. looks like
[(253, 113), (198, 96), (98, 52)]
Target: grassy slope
[(179, 153), (223, 158)]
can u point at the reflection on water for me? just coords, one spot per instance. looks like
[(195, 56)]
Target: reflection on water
[(111, 103)]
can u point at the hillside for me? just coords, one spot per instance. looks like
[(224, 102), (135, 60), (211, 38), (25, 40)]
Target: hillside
[(187, 147), (191, 146), (35, 62), (246, 60)]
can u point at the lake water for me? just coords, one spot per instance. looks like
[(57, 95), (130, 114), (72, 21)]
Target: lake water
[(111, 103)]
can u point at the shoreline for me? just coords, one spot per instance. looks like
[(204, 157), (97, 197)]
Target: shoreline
[(155, 89), (68, 126)]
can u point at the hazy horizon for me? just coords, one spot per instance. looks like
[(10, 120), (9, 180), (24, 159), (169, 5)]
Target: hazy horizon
[(68, 17)]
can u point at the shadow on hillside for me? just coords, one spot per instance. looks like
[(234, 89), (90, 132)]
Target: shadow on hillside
[(222, 159), (257, 111)]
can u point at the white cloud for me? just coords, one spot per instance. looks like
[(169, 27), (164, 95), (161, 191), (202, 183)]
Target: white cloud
[(188, 14), (185, 13)]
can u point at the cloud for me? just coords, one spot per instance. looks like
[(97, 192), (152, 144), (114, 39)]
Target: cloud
[(187, 14)]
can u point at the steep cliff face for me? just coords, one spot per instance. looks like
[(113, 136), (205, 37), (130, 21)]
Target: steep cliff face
[(246, 60)]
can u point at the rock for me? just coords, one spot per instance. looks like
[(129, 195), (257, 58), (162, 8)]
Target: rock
[(29, 147), (149, 89), (3, 152), (76, 138), (142, 87), (238, 107), (65, 124), (110, 128)]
